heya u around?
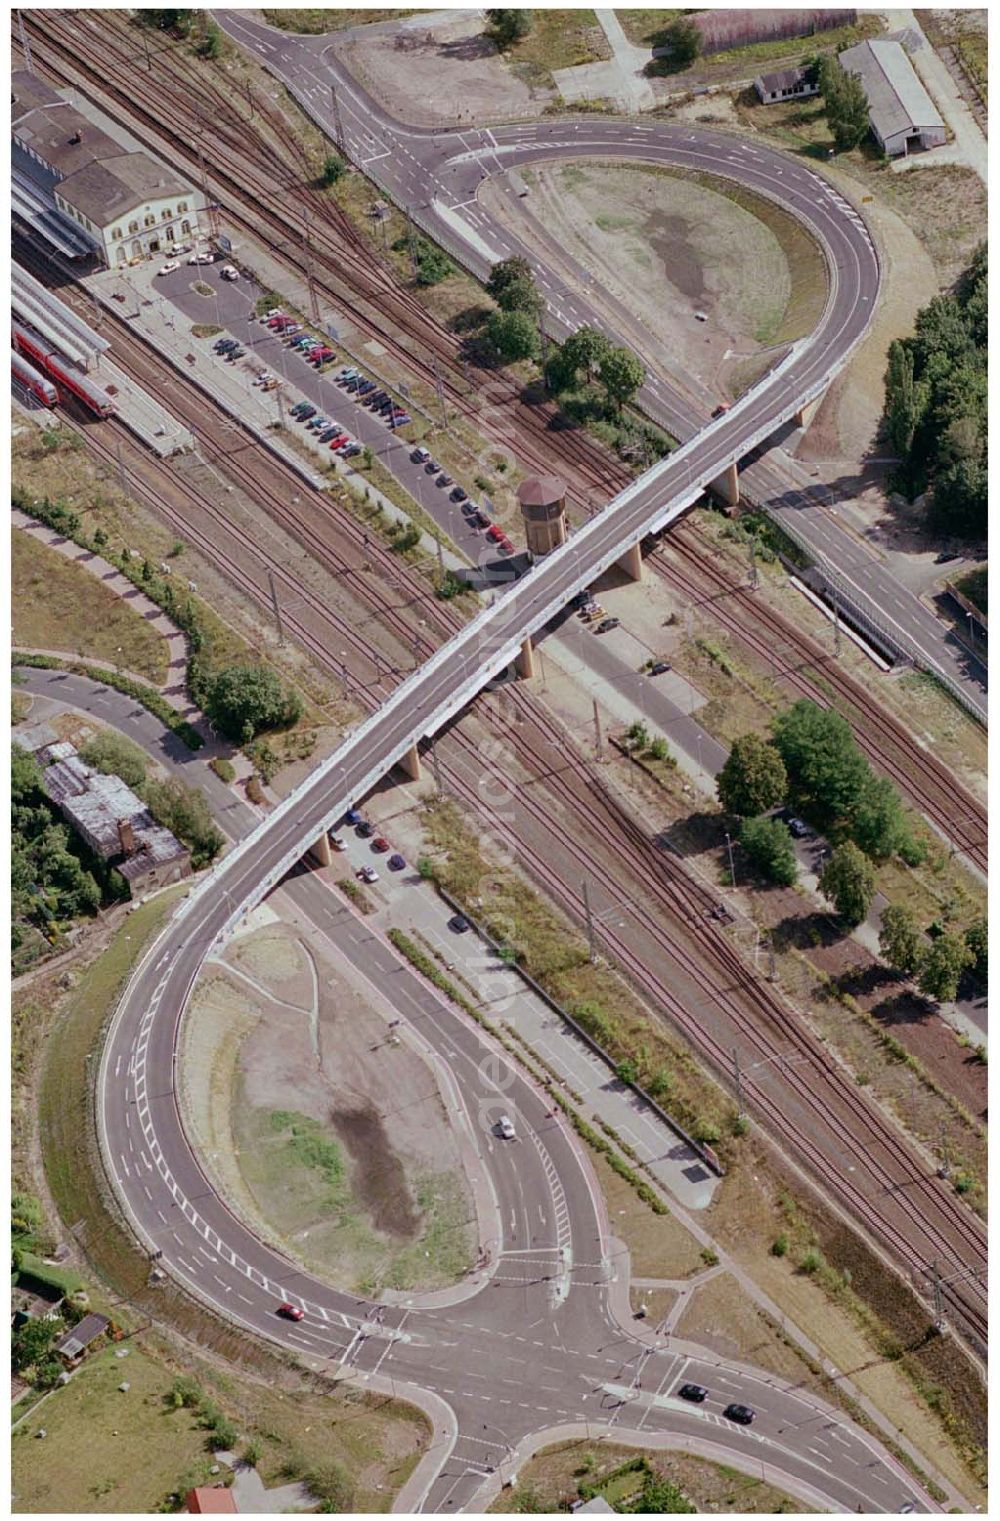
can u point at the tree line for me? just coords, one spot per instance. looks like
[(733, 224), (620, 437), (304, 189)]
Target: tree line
[(811, 762), (936, 402)]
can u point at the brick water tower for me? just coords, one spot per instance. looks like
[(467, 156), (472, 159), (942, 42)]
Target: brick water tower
[(542, 500)]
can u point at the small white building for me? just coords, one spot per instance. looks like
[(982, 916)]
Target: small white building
[(785, 84), (901, 114)]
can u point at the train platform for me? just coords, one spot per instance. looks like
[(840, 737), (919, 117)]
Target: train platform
[(141, 413)]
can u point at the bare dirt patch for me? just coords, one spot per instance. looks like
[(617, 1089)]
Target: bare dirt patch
[(293, 1093), (444, 73), (662, 246)]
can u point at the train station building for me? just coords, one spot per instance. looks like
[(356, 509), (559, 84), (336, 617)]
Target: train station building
[(84, 191)]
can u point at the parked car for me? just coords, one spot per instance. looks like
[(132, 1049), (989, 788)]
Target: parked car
[(799, 828), (459, 494), (607, 624), (419, 454), (328, 434), (365, 829), (350, 450), (291, 1312), (697, 1393), (221, 345), (368, 874), (380, 844), (339, 441), (444, 479), (459, 923), (299, 408), (721, 409), (660, 668), (229, 272), (504, 1128), (494, 532), (236, 353), (741, 1414), (307, 412), (353, 816), (396, 862), (337, 841), (432, 467), (202, 258), (317, 422), (400, 419), (169, 267), (505, 546), (481, 518)]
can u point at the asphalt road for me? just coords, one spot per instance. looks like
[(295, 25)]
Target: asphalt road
[(436, 174), (551, 1266)]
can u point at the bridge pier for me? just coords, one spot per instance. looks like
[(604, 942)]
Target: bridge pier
[(727, 486), (524, 663), (631, 562), (804, 416), (321, 852), (409, 764)]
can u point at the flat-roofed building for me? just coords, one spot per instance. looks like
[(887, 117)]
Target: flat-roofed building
[(901, 114)]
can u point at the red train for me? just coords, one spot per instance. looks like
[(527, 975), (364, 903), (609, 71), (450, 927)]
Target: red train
[(32, 380), (59, 370)]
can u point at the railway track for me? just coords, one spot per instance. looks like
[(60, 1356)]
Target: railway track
[(249, 161), (961, 1245), (921, 1212)]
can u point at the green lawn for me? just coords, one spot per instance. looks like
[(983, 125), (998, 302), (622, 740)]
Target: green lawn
[(105, 1450), (643, 27), (60, 606)]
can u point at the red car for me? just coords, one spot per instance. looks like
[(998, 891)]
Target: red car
[(380, 844), (506, 547), (495, 532), (291, 1312), (340, 440)]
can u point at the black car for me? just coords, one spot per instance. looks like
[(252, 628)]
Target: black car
[(697, 1393), (741, 1414), (607, 624), (660, 668), (459, 923), (481, 519), (459, 494), (365, 830)]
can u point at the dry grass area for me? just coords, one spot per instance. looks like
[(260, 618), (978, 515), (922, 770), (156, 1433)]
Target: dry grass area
[(553, 951), (550, 1481), (59, 605), (721, 1316), (865, 1320), (329, 19), (560, 39), (659, 1246)]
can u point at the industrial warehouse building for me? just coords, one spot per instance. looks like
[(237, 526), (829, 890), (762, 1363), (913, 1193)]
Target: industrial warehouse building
[(902, 116), (125, 206)]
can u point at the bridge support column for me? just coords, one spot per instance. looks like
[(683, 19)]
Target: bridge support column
[(804, 416), (727, 486), (320, 852), (631, 563), (409, 764), (524, 664)]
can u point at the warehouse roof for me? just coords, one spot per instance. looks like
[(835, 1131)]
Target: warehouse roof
[(105, 190), (112, 820), (897, 101)]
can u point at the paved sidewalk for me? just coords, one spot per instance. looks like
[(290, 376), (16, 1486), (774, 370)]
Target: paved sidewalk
[(620, 78), (174, 688)]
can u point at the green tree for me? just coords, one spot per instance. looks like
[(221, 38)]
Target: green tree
[(900, 942), (683, 38), (879, 825), (753, 778), (185, 812), (211, 43), (114, 755), (905, 401), (242, 700), (768, 843), (513, 271), (32, 1341), (521, 296), (26, 1218), (622, 375), (166, 21), (849, 882), (334, 168), (942, 967), (976, 938), (826, 770), (846, 104), (507, 27), (331, 1485), (586, 349), (512, 335)]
